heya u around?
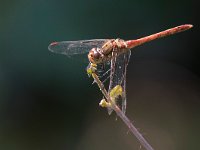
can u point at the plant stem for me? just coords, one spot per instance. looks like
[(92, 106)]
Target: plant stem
[(124, 118), (132, 128)]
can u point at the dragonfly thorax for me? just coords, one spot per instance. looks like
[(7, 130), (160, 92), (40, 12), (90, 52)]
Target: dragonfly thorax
[(103, 54)]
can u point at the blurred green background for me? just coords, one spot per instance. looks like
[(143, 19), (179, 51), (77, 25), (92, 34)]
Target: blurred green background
[(47, 101)]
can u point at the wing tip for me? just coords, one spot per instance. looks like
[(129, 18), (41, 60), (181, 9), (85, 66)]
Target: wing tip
[(51, 45)]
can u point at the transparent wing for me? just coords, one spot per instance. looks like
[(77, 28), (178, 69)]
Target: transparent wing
[(75, 47), (118, 76)]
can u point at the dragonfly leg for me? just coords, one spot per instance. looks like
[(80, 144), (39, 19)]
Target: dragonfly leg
[(106, 79), (107, 72), (106, 75)]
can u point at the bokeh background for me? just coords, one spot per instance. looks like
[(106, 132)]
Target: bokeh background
[(47, 101)]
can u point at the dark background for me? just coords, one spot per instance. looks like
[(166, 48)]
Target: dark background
[(47, 101)]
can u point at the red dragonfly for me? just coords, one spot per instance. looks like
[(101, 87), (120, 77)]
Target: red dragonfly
[(115, 51)]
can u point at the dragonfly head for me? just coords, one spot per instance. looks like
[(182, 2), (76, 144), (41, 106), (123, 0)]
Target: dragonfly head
[(95, 56)]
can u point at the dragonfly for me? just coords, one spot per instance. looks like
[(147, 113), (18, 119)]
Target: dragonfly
[(113, 52)]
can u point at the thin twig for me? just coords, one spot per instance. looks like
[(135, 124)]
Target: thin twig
[(124, 118)]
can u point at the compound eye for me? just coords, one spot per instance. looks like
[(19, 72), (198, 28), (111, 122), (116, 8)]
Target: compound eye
[(96, 54)]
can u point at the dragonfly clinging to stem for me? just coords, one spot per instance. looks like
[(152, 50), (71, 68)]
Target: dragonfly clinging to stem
[(115, 51)]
